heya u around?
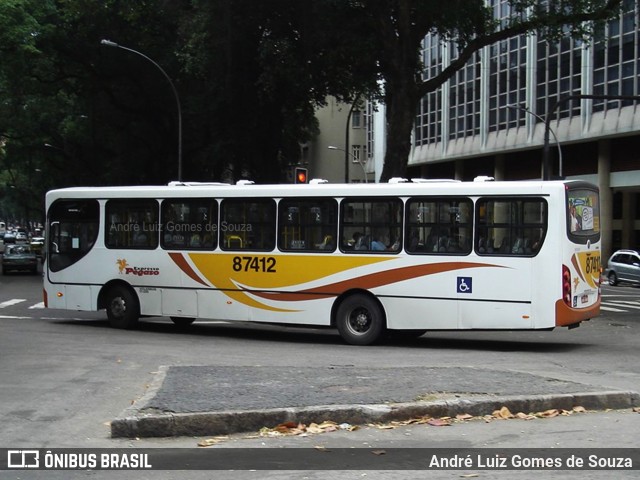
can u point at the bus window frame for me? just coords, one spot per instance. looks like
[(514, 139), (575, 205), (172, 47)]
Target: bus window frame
[(199, 231), (60, 258), (394, 248), (327, 243), (438, 199), (152, 233), (581, 239), (534, 247), (237, 233)]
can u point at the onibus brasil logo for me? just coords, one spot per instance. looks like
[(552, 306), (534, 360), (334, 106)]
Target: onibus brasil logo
[(125, 269)]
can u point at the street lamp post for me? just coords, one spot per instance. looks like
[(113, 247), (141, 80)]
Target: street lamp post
[(109, 43), (545, 151), (347, 154)]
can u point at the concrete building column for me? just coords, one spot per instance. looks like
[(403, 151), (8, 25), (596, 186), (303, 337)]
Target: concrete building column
[(498, 167), (459, 175), (606, 199), (628, 219)]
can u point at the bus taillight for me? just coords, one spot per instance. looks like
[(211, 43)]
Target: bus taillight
[(566, 285)]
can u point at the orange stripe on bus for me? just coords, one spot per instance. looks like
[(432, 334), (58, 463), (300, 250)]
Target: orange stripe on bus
[(371, 281), (181, 262)]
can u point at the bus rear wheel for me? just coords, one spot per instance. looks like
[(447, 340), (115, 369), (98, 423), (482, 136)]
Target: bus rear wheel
[(360, 320), (123, 308)]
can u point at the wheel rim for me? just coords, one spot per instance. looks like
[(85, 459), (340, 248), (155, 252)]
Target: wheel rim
[(118, 307), (359, 321)]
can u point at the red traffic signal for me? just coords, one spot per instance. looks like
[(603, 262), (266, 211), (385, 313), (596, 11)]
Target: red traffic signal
[(300, 175)]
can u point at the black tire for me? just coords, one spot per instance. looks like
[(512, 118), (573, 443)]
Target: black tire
[(123, 307), (182, 322), (360, 320), (613, 279)]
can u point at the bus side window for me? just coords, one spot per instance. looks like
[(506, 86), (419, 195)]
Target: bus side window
[(518, 226), (307, 224), (439, 225), (189, 223), (377, 223)]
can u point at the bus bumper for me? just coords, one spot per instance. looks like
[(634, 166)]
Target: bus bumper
[(566, 315)]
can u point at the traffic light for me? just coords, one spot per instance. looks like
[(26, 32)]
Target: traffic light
[(300, 175)]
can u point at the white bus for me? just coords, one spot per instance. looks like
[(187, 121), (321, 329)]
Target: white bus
[(364, 258)]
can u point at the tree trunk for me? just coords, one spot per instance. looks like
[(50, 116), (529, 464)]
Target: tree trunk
[(401, 101)]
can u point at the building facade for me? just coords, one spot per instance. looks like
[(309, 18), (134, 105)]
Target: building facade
[(489, 119)]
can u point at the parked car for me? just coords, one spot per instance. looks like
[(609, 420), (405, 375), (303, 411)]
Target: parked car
[(19, 257), (9, 237), (37, 244), (623, 266), (22, 237)]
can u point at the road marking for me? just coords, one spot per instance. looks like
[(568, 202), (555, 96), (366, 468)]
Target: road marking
[(623, 304), (611, 309), (37, 305), (14, 317), (13, 301)]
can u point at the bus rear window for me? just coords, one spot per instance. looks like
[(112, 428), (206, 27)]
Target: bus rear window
[(583, 215)]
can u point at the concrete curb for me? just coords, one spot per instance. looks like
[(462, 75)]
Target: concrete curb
[(138, 424)]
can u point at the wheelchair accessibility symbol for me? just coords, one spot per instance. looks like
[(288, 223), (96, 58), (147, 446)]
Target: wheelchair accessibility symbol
[(465, 284)]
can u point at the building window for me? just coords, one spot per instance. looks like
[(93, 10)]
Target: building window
[(464, 99), (356, 119), (428, 124), (616, 59), (356, 152), (507, 81)]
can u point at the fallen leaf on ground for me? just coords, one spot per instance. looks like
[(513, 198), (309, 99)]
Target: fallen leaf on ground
[(464, 416), (504, 413), (525, 416), (440, 422), (212, 441), (554, 412)]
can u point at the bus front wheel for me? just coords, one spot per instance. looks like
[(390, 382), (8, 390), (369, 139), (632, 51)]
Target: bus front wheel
[(123, 308), (360, 320)]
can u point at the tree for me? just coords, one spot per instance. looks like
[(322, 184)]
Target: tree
[(399, 26), (266, 67)]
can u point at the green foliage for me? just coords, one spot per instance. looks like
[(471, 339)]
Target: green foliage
[(249, 76)]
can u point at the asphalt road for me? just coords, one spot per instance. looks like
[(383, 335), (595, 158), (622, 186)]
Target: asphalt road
[(65, 375)]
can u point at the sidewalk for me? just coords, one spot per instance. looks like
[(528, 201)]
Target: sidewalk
[(207, 400)]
